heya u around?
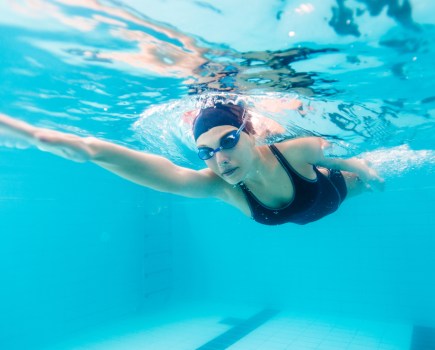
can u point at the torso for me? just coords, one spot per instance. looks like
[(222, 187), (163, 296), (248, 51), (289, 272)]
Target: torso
[(272, 196), (273, 199)]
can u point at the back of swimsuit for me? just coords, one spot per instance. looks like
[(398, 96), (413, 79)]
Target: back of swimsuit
[(312, 199)]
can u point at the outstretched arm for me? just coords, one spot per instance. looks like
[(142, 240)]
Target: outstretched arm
[(144, 169)]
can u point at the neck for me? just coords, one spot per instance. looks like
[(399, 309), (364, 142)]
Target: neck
[(261, 165)]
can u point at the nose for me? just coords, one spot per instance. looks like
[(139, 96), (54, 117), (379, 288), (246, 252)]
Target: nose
[(222, 158)]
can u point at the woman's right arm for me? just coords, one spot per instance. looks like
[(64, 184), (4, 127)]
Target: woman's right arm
[(144, 169), (153, 171)]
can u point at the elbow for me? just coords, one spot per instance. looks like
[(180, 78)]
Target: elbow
[(316, 149), (321, 144)]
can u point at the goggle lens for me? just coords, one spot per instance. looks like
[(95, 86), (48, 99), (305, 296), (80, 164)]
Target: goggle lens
[(228, 141)]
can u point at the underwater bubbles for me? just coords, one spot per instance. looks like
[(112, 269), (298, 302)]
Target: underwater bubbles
[(400, 160)]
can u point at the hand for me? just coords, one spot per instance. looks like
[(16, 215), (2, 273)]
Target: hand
[(64, 145), (16, 128), (368, 175), (67, 146)]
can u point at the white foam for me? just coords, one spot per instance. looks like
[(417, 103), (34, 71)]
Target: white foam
[(399, 160)]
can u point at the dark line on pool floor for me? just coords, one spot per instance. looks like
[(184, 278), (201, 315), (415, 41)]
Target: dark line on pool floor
[(239, 331), (423, 338)]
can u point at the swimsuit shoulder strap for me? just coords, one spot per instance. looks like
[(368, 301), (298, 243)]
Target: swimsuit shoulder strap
[(288, 167), (284, 162)]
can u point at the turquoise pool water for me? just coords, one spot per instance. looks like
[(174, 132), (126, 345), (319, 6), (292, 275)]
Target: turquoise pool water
[(89, 261)]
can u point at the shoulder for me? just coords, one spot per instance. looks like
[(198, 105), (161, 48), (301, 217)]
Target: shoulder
[(303, 149), (220, 189), (302, 143), (215, 186)]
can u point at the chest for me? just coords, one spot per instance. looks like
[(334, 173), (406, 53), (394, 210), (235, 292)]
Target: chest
[(277, 192)]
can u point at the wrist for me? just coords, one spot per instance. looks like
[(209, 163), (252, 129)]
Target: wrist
[(100, 150)]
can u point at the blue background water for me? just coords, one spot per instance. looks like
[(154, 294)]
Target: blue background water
[(79, 246)]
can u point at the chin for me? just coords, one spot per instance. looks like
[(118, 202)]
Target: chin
[(233, 180)]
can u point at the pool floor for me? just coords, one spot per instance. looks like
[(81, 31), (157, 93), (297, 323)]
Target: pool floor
[(206, 327)]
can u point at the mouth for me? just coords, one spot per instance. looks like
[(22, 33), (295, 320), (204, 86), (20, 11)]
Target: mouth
[(229, 172)]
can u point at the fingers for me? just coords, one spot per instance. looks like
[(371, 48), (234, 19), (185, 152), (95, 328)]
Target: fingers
[(61, 144), (67, 146), (371, 177), (16, 128), (377, 182)]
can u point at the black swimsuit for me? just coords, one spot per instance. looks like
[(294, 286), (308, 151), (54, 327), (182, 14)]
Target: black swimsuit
[(312, 199)]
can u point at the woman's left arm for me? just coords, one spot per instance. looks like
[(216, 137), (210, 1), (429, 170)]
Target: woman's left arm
[(312, 151)]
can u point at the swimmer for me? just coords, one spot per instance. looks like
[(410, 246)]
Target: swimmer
[(288, 182)]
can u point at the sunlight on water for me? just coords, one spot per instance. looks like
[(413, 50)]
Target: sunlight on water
[(112, 70)]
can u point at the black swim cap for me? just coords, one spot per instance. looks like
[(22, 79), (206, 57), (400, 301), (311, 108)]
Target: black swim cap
[(219, 114)]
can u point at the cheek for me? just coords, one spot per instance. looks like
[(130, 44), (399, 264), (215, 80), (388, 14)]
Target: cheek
[(242, 154), (211, 164), (245, 159)]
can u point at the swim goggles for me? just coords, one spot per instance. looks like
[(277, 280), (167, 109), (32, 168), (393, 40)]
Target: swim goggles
[(227, 141)]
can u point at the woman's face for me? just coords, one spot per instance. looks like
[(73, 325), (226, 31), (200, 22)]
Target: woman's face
[(231, 164)]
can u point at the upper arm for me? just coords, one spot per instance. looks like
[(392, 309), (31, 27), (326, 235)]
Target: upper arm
[(310, 150), (305, 150), (155, 171), (196, 183)]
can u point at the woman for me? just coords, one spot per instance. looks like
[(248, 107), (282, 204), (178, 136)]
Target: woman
[(291, 181)]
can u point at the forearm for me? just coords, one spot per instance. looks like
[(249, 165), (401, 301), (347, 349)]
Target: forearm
[(312, 149), (352, 165), (142, 168), (360, 167)]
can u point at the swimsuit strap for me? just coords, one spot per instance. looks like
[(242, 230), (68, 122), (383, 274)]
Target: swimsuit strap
[(299, 181), (312, 199)]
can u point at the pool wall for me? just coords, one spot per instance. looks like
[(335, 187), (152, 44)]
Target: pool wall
[(78, 246)]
